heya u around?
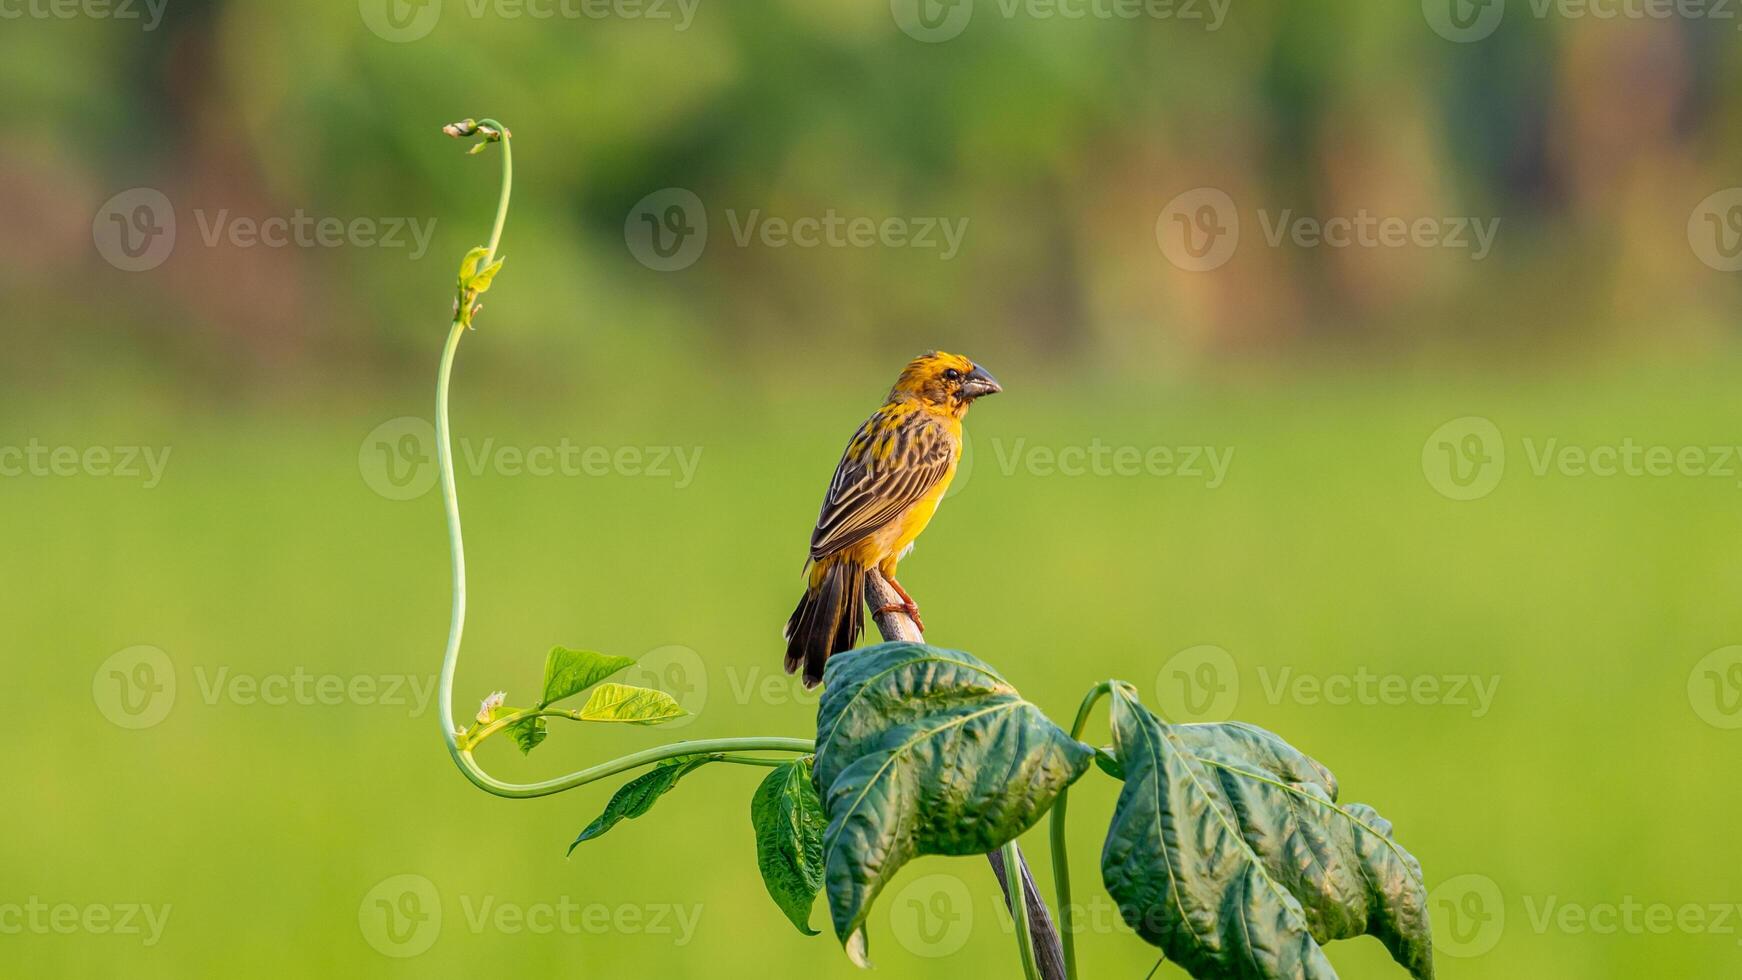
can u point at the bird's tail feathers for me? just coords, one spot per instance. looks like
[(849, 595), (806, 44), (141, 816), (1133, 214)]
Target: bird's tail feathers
[(828, 620)]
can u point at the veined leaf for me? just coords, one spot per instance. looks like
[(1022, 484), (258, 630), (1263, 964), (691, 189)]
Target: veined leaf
[(528, 732), (638, 795), (1264, 748), (635, 705), (1182, 874), (788, 818), (1229, 852), (925, 751), (568, 672), (1351, 877)]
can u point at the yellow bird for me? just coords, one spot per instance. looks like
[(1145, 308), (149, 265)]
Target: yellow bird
[(886, 488)]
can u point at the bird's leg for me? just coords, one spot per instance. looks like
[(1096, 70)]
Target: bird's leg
[(907, 604)]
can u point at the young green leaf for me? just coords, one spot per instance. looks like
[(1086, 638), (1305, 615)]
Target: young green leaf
[(480, 283), (1228, 850), (469, 264), (638, 795), (568, 672), (527, 733), (788, 818), (635, 705), (925, 751)]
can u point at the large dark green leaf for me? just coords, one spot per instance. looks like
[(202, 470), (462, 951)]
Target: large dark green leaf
[(1229, 852), (789, 822), (638, 795), (925, 751)]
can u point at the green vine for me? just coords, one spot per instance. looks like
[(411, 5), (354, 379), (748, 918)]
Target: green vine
[(477, 273)]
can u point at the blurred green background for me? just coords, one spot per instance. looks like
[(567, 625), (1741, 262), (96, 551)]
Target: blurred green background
[(216, 465)]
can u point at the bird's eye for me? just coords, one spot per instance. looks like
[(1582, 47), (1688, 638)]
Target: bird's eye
[(951, 374)]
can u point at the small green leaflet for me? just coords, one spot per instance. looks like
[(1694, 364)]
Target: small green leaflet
[(1229, 851), (788, 818), (469, 264), (635, 705), (638, 795), (568, 672), (527, 733)]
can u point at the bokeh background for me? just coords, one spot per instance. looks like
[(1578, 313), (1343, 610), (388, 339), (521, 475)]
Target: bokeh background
[(1470, 539)]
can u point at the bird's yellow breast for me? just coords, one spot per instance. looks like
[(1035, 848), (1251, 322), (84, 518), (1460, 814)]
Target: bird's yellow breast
[(886, 547)]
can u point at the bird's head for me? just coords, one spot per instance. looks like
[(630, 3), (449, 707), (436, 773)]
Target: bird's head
[(949, 382)]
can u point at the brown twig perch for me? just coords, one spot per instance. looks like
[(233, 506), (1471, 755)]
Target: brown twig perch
[(1048, 953)]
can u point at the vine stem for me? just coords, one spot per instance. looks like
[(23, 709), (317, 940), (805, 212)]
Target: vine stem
[(462, 755), (1061, 865), (1019, 910), (1007, 864)]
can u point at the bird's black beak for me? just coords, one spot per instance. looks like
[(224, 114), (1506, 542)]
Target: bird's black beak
[(978, 383)]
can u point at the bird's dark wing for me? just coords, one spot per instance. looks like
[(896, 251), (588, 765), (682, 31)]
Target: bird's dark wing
[(894, 459)]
